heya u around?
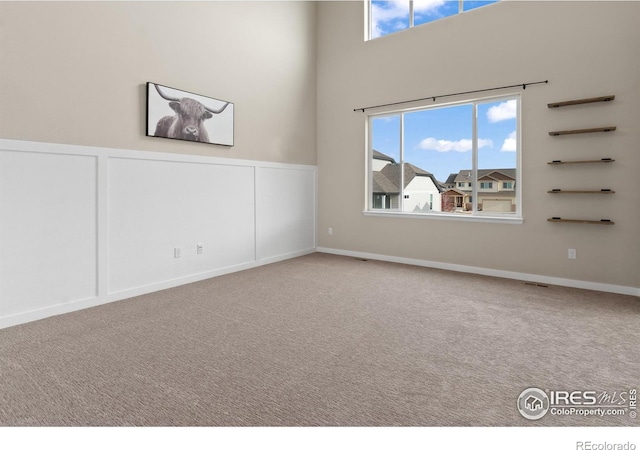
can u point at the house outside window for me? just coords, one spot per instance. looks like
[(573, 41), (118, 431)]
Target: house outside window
[(460, 159)]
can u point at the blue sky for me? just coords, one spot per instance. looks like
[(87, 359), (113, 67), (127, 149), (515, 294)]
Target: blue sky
[(438, 140), (390, 16)]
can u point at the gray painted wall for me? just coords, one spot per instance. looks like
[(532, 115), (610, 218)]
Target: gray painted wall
[(75, 72), (584, 49)]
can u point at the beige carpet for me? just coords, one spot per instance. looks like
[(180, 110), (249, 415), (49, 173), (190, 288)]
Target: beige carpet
[(322, 340)]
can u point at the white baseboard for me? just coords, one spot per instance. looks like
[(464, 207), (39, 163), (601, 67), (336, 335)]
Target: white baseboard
[(64, 308), (274, 259), (625, 290), (42, 313)]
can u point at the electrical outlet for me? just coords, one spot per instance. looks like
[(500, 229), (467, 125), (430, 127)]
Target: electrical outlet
[(571, 254), (200, 249), (176, 252), (330, 231)]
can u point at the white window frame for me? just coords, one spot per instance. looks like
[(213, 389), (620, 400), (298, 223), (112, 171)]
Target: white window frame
[(475, 215), (369, 17)]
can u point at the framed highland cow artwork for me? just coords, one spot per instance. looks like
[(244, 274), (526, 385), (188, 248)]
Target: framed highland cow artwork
[(176, 114)]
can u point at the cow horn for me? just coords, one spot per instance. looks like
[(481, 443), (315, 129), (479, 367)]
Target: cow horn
[(164, 96), (217, 111), (175, 99)]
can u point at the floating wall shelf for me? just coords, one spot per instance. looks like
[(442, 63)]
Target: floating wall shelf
[(584, 130), (592, 222), (582, 191), (586, 161), (606, 98)]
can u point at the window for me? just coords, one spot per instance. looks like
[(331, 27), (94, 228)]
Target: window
[(459, 160), (389, 16)]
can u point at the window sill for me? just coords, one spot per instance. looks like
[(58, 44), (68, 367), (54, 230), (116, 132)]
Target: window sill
[(447, 216)]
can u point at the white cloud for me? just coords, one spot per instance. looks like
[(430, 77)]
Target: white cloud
[(510, 143), (442, 145), (398, 9), (422, 6), (392, 10), (504, 111)]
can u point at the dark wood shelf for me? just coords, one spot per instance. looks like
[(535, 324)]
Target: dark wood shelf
[(585, 161), (582, 191), (583, 130), (592, 222), (582, 101), (606, 98)]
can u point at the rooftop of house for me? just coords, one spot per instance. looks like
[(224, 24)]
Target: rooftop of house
[(451, 178), (485, 174), (388, 179), (382, 184), (383, 157)]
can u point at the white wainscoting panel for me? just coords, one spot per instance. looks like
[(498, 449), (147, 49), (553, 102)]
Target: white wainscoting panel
[(156, 206), (82, 226), (286, 210), (48, 236)]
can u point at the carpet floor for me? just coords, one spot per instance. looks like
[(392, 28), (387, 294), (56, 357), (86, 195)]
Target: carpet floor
[(323, 340)]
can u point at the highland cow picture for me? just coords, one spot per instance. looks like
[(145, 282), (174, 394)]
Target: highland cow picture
[(176, 114)]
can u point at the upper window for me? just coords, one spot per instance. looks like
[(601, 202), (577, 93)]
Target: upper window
[(389, 16), (458, 159)]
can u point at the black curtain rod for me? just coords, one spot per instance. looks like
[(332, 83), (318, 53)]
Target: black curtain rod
[(434, 97)]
